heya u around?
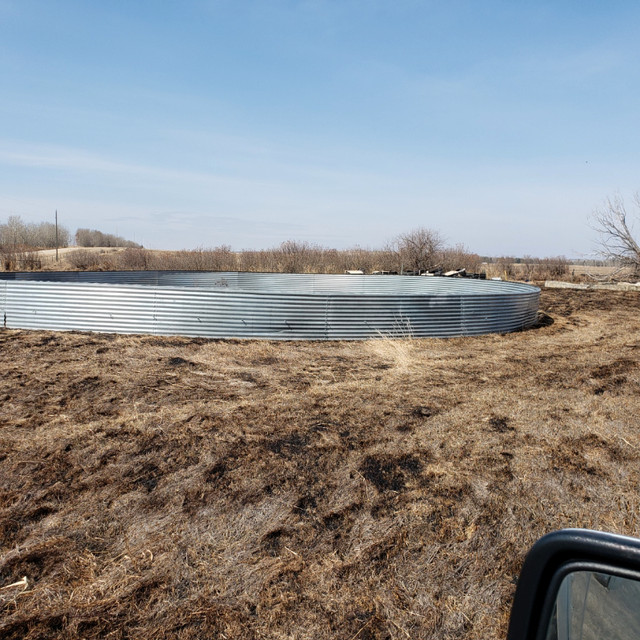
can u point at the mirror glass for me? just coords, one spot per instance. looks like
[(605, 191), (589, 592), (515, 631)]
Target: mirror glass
[(594, 606)]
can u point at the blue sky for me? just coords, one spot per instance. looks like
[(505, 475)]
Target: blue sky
[(197, 123)]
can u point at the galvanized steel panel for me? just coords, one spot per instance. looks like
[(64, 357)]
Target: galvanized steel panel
[(265, 305), (3, 305)]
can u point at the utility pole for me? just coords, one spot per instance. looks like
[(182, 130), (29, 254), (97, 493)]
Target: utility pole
[(56, 235)]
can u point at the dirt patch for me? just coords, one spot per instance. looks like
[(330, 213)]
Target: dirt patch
[(156, 487)]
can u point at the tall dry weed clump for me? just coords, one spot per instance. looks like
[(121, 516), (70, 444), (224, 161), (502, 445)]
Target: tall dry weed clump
[(83, 259), (503, 267), (528, 268), (19, 260), (543, 268), (396, 353), (133, 259)]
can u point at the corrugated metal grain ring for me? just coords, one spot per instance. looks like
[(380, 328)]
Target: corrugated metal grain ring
[(264, 305)]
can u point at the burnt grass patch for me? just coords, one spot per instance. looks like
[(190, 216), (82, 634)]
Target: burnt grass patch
[(157, 487), (500, 424), (389, 473)]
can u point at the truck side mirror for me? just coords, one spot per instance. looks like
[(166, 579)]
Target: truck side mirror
[(577, 584)]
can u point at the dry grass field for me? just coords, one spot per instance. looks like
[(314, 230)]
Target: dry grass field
[(156, 487)]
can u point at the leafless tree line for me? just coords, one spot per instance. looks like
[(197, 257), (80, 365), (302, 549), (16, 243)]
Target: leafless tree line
[(290, 256), (95, 238), (528, 267), (421, 249), (17, 234)]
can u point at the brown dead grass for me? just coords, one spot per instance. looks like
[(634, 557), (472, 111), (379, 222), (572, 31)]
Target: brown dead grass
[(157, 487)]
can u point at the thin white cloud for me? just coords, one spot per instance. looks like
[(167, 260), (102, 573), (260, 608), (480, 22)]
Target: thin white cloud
[(255, 166), (49, 157)]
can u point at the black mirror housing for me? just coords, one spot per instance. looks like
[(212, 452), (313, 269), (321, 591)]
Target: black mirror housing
[(555, 556)]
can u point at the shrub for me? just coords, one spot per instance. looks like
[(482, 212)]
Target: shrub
[(217, 259), (83, 259), (133, 259), (459, 257)]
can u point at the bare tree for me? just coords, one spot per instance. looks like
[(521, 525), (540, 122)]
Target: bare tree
[(616, 240), (95, 238), (35, 235), (14, 231), (419, 249)]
